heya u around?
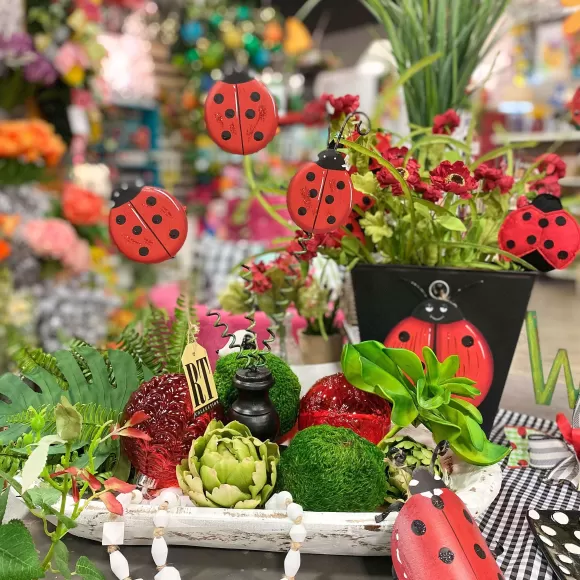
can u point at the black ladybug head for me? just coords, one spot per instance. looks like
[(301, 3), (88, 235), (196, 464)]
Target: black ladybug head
[(438, 311), (125, 192), (425, 482), (547, 202), (237, 78), (330, 159)]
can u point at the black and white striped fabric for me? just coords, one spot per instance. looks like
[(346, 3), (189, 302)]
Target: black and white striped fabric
[(504, 524)]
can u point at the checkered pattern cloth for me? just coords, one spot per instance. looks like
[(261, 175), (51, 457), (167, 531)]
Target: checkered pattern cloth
[(504, 524)]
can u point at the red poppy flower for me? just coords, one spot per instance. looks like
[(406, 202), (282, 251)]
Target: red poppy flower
[(494, 178), (446, 123), (453, 178), (395, 156), (408, 173), (346, 104), (428, 191)]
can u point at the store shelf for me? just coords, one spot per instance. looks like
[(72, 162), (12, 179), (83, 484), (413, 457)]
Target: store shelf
[(537, 137)]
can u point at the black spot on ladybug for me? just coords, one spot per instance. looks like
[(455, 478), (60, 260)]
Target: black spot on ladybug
[(250, 114), (156, 219), (479, 551), (120, 219), (498, 550), (468, 516), (226, 135), (219, 98), (366, 200), (467, 341), (329, 199), (310, 176), (527, 216), (174, 234), (340, 185), (230, 113), (349, 227), (437, 502), (561, 220), (510, 244), (404, 336), (543, 223), (330, 219), (446, 555), (418, 528), (531, 240), (137, 230), (301, 211), (151, 201), (548, 244), (143, 251), (313, 193), (258, 135), (562, 255), (255, 96)]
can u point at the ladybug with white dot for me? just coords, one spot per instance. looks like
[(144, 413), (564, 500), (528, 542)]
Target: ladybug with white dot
[(320, 195), (240, 114), (542, 233), (435, 536), (147, 224)]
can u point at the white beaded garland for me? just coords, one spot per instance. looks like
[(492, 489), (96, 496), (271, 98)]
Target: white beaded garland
[(298, 533), (161, 519), (119, 565), (292, 563), (294, 511), (170, 497), (168, 573), (283, 499), (159, 551), (113, 533)]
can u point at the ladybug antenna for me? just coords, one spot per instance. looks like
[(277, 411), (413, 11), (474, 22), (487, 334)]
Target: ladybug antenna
[(359, 127), (441, 449), (416, 286)]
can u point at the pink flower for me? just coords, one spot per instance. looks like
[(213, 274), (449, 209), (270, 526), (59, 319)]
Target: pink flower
[(70, 55), (78, 256), (50, 238)]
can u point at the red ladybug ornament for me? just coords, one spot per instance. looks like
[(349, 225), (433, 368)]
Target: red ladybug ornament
[(147, 224), (541, 233), (240, 114), (320, 195), (439, 324), (435, 536)]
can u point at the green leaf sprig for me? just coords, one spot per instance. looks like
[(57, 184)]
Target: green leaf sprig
[(426, 396)]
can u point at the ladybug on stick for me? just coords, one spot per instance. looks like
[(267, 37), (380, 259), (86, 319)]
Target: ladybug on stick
[(147, 224), (320, 195), (435, 536)]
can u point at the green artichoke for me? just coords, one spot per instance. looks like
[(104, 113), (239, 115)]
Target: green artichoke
[(229, 468)]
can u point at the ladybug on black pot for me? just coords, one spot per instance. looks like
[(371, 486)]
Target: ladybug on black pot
[(438, 323), (435, 536), (542, 233), (320, 195), (147, 224), (240, 114)]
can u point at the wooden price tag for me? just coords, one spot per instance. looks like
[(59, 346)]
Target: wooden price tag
[(199, 378)]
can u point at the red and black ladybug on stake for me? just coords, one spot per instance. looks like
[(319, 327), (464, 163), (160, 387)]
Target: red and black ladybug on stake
[(147, 224), (438, 323), (435, 536), (240, 114), (320, 195), (542, 233)]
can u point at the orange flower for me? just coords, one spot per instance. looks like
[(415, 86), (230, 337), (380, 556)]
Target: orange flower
[(5, 250), (80, 206), (9, 223)]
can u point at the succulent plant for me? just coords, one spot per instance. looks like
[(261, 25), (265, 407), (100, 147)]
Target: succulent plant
[(229, 468)]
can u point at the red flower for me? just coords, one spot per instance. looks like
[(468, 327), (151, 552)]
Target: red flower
[(429, 192), (383, 143), (260, 283), (286, 262), (314, 112), (552, 165), (494, 178), (548, 185), (522, 201), (307, 248), (454, 178), (395, 156), (446, 123), (387, 179), (347, 104), (80, 206)]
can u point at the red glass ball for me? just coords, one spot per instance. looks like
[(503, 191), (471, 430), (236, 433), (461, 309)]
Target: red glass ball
[(172, 427), (334, 401)]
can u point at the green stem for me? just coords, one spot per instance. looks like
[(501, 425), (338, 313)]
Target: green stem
[(394, 430), (48, 558)]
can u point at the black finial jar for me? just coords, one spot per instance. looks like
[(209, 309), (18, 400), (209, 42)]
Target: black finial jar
[(253, 406)]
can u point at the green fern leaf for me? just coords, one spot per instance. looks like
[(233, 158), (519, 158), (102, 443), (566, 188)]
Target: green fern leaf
[(157, 336), (29, 359), (185, 316), (133, 343)]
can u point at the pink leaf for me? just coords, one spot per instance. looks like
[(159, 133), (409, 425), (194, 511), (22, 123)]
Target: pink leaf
[(70, 470), (135, 433), (75, 491), (118, 485), (111, 503), (136, 418), (93, 482)]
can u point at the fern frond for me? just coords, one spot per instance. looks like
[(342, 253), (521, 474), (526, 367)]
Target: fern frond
[(157, 337), (29, 359), (74, 345), (185, 316), (134, 344)]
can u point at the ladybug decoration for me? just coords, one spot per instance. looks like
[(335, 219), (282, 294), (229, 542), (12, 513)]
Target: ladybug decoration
[(435, 536), (320, 195), (147, 224), (574, 108), (542, 233), (438, 323), (240, 114)]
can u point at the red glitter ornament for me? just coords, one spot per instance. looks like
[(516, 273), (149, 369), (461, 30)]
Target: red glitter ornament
[(334, 401), (172, 427)]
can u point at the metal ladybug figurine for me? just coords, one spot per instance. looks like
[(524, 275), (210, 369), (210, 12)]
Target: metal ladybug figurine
[(320, 195), (240, 114), (438, 323), (147, 224), (543, 234), (435, 536)]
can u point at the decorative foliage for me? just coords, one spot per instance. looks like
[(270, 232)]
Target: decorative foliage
[(423, 396)]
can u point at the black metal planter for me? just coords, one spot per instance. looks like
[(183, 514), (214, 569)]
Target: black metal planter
[(476, 314)]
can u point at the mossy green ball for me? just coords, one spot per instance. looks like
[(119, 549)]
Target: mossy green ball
[(285, 394), (332, 469)]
